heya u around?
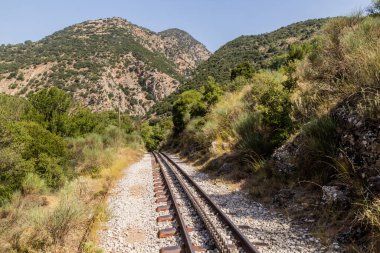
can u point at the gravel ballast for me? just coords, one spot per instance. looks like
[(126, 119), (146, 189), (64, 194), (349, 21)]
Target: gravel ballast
[(132, 226)]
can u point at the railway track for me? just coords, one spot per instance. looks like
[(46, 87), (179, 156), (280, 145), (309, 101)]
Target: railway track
[(188, 213)]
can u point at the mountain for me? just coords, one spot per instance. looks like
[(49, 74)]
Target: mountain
[(106, 64), (259, 50)]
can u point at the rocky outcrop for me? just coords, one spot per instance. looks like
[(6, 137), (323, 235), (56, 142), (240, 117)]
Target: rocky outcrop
[(359, 138), (358, 144)]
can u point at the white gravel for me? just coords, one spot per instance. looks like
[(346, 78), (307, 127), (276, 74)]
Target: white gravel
[(133, 228), (270, 231)]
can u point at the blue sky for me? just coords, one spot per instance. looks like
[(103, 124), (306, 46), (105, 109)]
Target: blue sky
[(212, 22)]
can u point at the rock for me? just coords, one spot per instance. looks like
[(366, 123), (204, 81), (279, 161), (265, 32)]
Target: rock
[(226, 167), (283, 158), (374, 184), (333, 195), (283, 197)]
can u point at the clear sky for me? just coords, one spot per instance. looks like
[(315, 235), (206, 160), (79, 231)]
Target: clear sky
[(212, 22)]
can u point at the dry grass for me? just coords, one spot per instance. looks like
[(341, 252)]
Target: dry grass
[(346, 61), (371, 216), (108, 176), (59, 222)]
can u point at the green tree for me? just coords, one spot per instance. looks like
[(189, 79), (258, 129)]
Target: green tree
[(188, 105), (147, 133), (296, 52), (244, 69), (82, 121), (211, 91), (53, 104), (374, 8)]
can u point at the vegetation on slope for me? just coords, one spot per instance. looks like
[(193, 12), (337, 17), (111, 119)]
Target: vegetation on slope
[(262, 51), (257, 52), (300, 115), (102, 60), (49, 151)]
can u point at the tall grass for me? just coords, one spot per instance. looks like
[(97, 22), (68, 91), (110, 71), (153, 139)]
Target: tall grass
[(67, 216), (217, 126), (318, 148), (91, 153), (371, 216), (346, 60), (32, 226), (33, 184)]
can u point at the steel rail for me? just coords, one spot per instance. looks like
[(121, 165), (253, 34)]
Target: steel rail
[(188, 246), (241, 238), (219, 241)]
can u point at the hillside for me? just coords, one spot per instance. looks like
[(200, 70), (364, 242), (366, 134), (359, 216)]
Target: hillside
[(259, 50), (105, 64), (302, 138)]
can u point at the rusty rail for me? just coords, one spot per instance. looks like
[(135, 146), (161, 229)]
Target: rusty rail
[(188, 246), (239, 236)]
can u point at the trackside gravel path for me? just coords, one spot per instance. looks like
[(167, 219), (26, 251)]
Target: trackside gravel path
[(132, 226)]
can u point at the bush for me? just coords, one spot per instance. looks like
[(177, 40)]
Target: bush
[(67, 216), (114, 137), (81, 122), (268, 123), (188, 105), (154, 134), (33, 184), (211, 92), (244, 69), (13, 168), (27, 147), (319, 147), (49, 168), (53, 104), (251, 134), (36, 140)]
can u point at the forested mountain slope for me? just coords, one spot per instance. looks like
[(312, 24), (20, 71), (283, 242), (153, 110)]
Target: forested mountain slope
[(105, 64), (259, 50)]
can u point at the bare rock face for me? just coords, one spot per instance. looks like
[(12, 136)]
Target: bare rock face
[(360, 139), (106, 64), (283, 158)]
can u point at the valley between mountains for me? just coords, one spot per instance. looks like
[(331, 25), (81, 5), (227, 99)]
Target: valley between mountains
[(115, 138)]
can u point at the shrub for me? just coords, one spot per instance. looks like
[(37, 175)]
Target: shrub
[(268, 123), (244, 69), (319, 147), (251, 134), (81, 122), (155, 133), (67, 216), (53, 104), (188, 105), (113, 137), (211, 92), (33, 184), (36, 140), (49, 168), (13, 168)]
